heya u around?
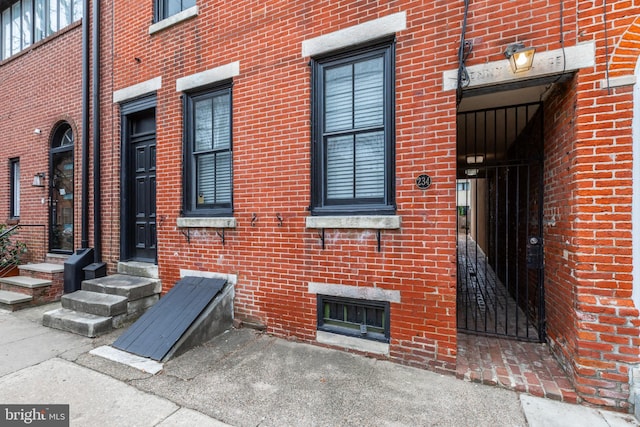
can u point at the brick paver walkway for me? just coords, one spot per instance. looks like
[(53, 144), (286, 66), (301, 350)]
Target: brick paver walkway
[(484, 303), (486, 307), (521, 366)]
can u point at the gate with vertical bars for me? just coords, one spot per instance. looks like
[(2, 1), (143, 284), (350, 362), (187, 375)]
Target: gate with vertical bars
[(500, 248)]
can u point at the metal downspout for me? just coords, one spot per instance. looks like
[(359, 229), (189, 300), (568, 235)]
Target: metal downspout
[(97, 193), (85, 127)]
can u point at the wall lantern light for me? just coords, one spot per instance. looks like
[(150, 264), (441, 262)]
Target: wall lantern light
[(520, 57), (38, 179), (474, 160)]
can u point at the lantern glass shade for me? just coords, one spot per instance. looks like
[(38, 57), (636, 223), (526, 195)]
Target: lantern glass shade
[(520, 57)]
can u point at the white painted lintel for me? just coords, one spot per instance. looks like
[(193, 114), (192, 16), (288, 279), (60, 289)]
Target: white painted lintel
[(357, 34), (208, 77), (137, 90)]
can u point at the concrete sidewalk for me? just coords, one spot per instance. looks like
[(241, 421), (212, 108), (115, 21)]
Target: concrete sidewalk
[(245, 378)]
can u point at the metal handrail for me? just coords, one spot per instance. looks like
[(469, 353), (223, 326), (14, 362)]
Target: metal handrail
[(9, 231)]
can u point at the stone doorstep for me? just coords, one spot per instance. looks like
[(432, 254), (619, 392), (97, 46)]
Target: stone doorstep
[(44, 267), (140, 269), (13, 301), (132, 287), (88, 325), (10, 298), (95, 303), (25, 282)]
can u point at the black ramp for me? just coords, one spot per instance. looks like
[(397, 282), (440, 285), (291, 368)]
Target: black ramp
[(156, 331)]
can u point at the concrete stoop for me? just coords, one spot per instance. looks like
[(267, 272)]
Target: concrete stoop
[(37, 284), (104, 304)]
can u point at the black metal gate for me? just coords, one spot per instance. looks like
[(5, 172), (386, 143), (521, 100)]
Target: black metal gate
[(500, 248)]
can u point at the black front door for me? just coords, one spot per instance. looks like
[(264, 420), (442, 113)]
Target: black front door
[(139, 231)]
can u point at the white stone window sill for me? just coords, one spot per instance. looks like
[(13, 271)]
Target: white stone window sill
[(376, 222), (213, 222), (352, 343), (173, 20)]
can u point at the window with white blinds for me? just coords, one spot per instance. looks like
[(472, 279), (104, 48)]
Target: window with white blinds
[(353, 132), (208, 166)]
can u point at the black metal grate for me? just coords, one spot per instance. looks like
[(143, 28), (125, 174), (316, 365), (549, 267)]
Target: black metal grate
[(360, 318), (499, 251)]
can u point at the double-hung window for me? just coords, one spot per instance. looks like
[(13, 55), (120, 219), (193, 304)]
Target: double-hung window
[(353, 132), (208, 156), (14, 203), (167, 8)]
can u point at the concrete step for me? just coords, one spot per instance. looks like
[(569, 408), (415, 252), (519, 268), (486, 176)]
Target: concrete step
[(43, 267), (131, 287), (142, 269), (13, 300), (24, 282), (40, 290), (88, 325), (100, 304)]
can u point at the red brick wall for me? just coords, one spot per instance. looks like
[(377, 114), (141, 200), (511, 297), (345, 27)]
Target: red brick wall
[(591, 319), (40, 87), (592, 323), (560, 112), (109, 147), (607, 322), (271, 107)]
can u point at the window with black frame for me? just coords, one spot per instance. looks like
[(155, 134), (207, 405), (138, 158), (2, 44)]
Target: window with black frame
[(208, 153), (14, 165), (353, 132), (167, 8)]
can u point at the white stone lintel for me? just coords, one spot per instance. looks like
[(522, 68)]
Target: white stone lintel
[(544, 63), (351, 36), (137, 90), (357, 292), (208, 77)]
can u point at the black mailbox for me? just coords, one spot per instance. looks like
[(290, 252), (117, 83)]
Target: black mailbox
[(95, 270)]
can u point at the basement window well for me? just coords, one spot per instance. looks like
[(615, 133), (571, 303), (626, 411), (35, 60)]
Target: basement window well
[(354, 317)]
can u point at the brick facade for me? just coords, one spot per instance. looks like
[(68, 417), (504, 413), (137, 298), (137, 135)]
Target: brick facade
[(31, 102), (592, 323)]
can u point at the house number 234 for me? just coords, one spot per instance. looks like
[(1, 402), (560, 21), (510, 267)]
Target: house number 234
[(423, 181)]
